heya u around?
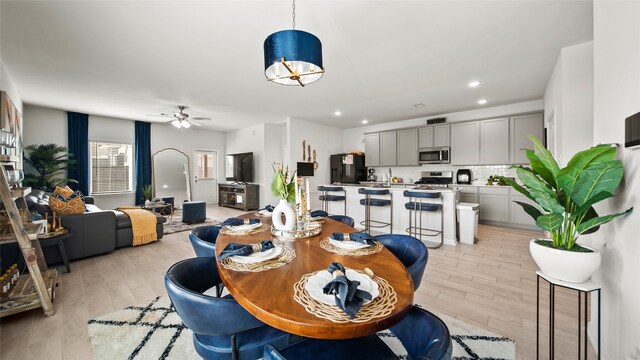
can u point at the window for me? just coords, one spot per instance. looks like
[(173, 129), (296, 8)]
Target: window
[(206, 164), (111, 167)]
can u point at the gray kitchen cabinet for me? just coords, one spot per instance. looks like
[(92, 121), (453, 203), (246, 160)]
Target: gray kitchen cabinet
[(494, 204), (407, 147), (425, 135), (465, 143), (441, 135), (517, 215), (388, 148), (520, 128), (372, 149), (494, 141)]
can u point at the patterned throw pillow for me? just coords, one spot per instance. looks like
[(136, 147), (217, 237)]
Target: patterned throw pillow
[(65, 191), (72, 204)]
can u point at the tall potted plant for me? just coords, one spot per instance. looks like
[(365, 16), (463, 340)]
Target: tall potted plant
[(566, 197), (47, 166), (283, 187)]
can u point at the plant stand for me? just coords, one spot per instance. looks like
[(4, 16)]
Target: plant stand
[(37, 288), (582, 288)]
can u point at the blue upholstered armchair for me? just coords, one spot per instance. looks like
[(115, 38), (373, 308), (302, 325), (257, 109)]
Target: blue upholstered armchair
[(411, 252), (203, 239)]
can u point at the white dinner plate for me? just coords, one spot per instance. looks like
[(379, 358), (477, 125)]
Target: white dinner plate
[(348, 244), (260, 256), (316, 283), (248, 227), (265, 212)]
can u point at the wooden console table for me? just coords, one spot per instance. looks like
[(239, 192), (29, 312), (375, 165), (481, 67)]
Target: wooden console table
[(239, 196)]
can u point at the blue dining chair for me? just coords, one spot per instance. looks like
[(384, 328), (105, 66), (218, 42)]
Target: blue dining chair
[(203, 239), (343, 219), (222, 329), (424, 336), (411, 252)]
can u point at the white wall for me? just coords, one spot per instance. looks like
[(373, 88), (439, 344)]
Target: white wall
[(569, 95), (6, 84), (252, 139), (617, 95), (46, 125)]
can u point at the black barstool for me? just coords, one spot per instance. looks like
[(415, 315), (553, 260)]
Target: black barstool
[(416, 207), (368, 202), (326, 196)]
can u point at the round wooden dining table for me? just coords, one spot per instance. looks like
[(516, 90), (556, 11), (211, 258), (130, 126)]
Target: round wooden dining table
[(269, 294)]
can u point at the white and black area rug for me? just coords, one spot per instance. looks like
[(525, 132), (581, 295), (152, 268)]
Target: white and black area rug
[(176, 225), (154, 331)]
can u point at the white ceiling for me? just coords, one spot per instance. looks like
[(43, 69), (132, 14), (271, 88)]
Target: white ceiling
[(129, 59)]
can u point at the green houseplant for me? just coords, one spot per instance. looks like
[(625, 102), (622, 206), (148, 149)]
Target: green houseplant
[(47, 165), (283, 187), (566, 197), (147, 192)]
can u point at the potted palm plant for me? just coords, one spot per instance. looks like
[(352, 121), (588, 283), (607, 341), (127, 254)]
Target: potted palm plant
[(147, 193), (47, 165), (566, 197), (283, 187)]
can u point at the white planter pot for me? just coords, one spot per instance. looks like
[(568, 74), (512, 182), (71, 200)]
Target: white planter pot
[(147, 202), (285, 208), (575, 267)]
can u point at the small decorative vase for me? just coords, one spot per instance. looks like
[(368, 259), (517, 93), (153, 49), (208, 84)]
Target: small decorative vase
[(285, 208), (147, 202)]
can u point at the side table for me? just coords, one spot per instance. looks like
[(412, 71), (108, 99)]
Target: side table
[(58, 240), (582, 288)]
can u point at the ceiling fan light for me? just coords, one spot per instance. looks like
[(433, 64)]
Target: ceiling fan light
[(176, 123), (293, 57), (186, 124)]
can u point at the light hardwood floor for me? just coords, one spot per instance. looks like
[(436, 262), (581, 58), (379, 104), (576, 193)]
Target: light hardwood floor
[(491, 285)]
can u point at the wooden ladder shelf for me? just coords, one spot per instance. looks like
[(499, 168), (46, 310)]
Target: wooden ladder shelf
[(37, 288)]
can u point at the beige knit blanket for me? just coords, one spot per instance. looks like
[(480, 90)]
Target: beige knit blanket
[(143, 225)]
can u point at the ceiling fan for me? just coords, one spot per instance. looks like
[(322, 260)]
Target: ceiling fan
[(181, 119)]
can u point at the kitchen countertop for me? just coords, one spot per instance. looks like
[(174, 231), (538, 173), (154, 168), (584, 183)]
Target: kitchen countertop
[(394, 186)]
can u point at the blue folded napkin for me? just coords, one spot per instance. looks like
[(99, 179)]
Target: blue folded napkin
[(350, 299), (319, 213), (238, 222), (268, 208), (233, 249), (360, 237)]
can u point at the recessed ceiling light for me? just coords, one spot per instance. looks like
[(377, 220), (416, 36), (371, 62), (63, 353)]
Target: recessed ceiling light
[(474, 83), (365, 121), (482, 101), (417, 106), (337, 113)]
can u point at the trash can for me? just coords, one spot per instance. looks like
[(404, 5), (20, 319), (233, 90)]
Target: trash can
[(467, 214)]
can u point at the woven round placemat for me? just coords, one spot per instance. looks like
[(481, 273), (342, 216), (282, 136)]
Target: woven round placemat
[(381, 306), (327, 245), (228, 231), (285, 257)]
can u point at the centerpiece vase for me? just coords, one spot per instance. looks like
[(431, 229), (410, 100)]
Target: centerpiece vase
[(285, 208)]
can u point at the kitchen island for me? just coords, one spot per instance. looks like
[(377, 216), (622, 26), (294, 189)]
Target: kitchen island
[(400, 213)]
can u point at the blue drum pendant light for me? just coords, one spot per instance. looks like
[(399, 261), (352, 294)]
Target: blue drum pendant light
[(293, 57)]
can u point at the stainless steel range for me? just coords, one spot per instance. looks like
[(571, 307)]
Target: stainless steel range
[(436, 179)]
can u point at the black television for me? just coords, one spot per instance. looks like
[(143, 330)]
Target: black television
[(239, 167)]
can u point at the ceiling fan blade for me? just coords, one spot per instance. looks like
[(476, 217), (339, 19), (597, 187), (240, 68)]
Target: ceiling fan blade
[(201, 118), (195, 123), (160, 115)]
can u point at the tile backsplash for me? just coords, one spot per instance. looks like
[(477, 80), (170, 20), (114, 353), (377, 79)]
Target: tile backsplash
[(481, 173)]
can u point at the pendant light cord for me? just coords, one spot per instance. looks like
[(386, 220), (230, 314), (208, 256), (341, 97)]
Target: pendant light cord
[(293, 14)]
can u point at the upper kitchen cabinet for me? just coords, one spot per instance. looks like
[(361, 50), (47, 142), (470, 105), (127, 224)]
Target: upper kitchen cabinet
[(388, 148), (426, 137), (494, 141), (441, 135), (521, 127), (408, 147), (465, 143), (372, 149), (433, 136)]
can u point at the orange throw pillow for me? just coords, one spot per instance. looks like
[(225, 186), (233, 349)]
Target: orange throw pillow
[(66, 205)]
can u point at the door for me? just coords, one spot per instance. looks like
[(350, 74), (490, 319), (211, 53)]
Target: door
[(206, 176), (465, 143), (494, 141), (372, 149), (426, 137), (388, 148), (408, 147)]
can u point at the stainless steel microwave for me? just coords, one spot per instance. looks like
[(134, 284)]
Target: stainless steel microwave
[(434, 155)]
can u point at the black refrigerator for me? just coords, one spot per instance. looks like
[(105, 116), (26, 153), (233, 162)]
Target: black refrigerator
[(348, 168)]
